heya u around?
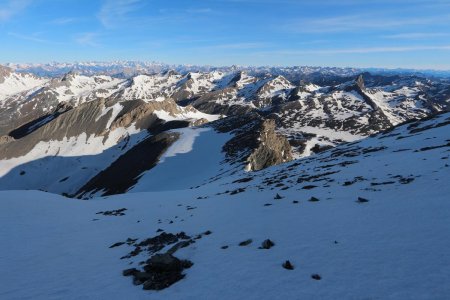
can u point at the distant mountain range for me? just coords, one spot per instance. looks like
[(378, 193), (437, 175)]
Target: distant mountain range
[(131, 68), (272, 116)]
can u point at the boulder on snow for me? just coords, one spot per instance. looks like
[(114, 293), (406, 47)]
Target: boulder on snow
[(277, 197), (287, 265), (246, 242), (362, 200), (163, 263), (161, 271), (267, 244)]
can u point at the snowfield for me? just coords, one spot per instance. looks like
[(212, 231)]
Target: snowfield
[(392, 243), (190, 161)]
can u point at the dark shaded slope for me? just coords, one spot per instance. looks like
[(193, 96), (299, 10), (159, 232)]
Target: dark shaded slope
[(126, 170)]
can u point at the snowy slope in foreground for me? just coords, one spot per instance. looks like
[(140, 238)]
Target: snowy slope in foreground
[(393, 247)]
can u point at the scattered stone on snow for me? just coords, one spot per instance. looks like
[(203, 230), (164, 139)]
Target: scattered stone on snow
[(116, 244), (117, 212), (267, 244), (287, 265), (362, 200), (246, 242), (278, 197), (309, 187), (161, 270), (316, 276)]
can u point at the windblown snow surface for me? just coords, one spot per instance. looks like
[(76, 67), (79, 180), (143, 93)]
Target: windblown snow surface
[(395, 246)]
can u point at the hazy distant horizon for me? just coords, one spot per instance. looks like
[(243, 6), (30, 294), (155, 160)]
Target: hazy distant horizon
[(394, 69)]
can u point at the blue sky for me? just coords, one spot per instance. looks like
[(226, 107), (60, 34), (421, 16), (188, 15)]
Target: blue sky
[(357, 33)]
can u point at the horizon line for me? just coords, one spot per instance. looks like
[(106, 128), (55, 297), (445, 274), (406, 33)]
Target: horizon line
[(433, 69)]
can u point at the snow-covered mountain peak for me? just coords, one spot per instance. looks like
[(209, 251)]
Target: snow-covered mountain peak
[(12, 83), (275, 87)]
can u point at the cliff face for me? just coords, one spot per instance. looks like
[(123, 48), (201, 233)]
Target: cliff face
[(4, 72), (272, 149), (255, 143), (143, 114)]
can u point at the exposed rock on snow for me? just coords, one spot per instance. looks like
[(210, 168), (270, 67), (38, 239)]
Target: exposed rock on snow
[(272, 149), (267, 244), (161, 270), (287, 265), (246, 242), (316, 276), (164, 270), (255, 142)]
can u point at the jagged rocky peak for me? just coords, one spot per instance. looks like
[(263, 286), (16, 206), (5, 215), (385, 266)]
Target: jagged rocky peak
[(242, 79), (272, 149), (4, 72), (170, 73), (360, 82), (236, 78), (69, 76), (191, 75)]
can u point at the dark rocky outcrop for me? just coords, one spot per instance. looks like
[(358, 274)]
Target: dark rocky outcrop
[(288, 265), (314, 199), (272, 148), (362, 200), (255, 142), (116, 212), (267, 244), (161, 270), (360, 82), (246, 242)]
